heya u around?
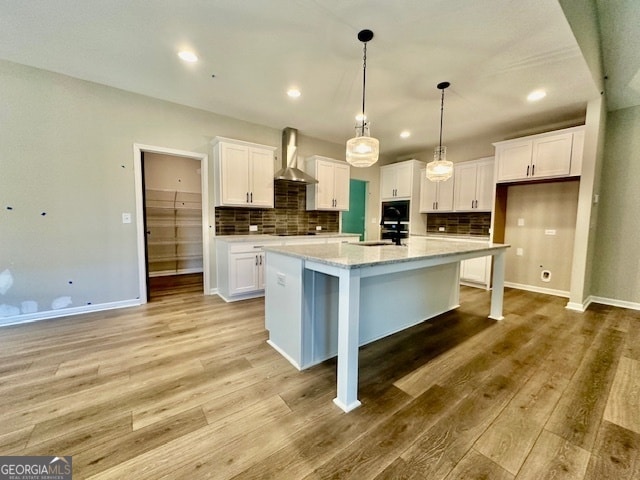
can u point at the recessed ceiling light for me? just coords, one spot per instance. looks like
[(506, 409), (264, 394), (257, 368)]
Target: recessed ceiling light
[(536, 95), (293, 93), (188, 56), (405, 134)]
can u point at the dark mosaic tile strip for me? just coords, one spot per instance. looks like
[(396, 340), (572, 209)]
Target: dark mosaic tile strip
[(466, 223), (288, 217)]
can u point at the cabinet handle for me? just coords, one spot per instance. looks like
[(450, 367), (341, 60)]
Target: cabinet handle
[(533, 170), (247, 197), (527, 170), (436, 205), (251, 197), (433, 206), (257, 259), (260, 259)]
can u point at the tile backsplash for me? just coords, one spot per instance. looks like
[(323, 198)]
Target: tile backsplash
[(460, 223), (288, 217)]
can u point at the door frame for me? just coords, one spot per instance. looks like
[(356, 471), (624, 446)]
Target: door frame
[(138, 148)]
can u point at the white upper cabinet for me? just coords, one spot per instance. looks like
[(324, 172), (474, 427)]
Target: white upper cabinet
[(332, 190), (243, 173), (435, 196), (548, 155), (474, 185), (396, 180)]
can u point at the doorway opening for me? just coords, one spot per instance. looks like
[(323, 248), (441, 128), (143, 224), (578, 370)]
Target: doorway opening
[(353, 221), (172, 221)]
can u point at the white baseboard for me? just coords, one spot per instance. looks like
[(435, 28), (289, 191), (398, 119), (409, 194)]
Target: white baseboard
[(65, 312), (533, 288), (615, 303)]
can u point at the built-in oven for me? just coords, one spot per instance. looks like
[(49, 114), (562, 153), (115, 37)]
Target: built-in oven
[(394, 219)]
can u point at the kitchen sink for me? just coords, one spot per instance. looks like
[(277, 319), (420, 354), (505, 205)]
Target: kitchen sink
[(378, 244)]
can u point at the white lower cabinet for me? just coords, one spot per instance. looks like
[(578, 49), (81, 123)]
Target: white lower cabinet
[(476, 271), (246, 272), (241, 264)]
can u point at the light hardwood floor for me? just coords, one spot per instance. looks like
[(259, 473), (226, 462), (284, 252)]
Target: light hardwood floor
[(186, 387)]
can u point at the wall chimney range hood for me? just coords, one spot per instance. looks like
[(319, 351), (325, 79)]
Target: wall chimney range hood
[(290, 170)]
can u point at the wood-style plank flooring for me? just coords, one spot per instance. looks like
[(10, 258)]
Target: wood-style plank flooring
[(185, 387)]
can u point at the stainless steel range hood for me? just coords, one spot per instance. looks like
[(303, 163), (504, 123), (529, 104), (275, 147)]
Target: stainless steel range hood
[(290, 170)]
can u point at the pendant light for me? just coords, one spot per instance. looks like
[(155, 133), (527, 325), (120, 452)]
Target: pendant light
[(363, 150), (440, 169)]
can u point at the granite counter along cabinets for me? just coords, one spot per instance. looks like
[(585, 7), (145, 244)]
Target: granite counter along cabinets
[(317, 294)]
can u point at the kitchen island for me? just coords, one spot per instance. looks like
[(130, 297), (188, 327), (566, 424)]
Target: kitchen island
[(327, 300)]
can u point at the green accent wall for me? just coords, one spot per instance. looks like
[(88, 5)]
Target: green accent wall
[(353, 220)]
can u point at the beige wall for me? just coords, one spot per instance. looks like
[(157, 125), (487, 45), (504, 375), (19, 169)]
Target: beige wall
[(172, 173), (616, 267), (541, 207), (67, 151)]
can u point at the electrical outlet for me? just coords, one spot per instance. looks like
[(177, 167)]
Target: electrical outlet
[(441, 229), (253, 228), (282, 279), (550, 231), (521, 222), (318, 227), (126, 218), (519, 252)]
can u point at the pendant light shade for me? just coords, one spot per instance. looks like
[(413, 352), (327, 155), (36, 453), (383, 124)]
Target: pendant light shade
[(363, 150), (440, 169)]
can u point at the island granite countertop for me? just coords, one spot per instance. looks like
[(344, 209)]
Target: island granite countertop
[(363, 254)]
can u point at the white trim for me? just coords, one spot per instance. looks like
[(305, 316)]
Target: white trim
[(285, 355), (579, 307), (65, 312), (615, 303), (533, 288), (138, 148)]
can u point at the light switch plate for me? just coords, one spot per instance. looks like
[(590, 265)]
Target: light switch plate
[(126, 217), (253, 228), (521, 222), (550, 231), (318, 227)]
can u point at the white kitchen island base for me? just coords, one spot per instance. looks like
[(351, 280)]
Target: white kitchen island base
[(326, 302)]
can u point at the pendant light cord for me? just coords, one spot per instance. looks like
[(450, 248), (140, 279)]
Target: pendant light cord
[(364, 84), (441, 115)]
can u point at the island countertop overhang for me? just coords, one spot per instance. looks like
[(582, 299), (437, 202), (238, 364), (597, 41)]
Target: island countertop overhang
[(359, 255)]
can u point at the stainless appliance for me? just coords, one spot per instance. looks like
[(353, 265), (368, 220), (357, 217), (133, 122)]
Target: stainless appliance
[(394, 220)]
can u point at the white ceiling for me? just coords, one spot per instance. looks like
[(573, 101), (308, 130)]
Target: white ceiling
[(493, 52)]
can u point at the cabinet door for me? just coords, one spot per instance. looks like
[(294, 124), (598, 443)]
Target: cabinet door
[(261, 171), (484, 186), (474, 270), (404, 180), (444, 201), (552, 156), (465, 186), (325, 174), (234, 176), (243, 272), (513, 161), (387, 182), (428, 194), (341, 186)]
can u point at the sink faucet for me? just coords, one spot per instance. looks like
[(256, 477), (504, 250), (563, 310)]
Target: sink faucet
[(392, 213)]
